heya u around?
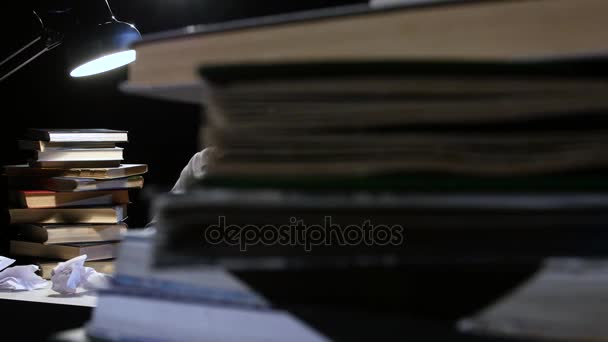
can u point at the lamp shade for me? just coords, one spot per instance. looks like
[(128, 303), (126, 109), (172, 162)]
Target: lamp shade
[(101, 47)]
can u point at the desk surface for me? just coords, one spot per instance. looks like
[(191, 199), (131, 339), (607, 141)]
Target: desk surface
[(46, 295)]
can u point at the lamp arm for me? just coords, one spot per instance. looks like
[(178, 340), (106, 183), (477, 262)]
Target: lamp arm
[(47, 41)]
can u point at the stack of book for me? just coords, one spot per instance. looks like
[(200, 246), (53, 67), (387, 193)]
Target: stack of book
[(71, 198), (474, 161), (348, 144)]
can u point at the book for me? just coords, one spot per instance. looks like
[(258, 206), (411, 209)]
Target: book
[(475, 30), (53, 199), (62, 234), (77, 135), (74, 164), (79, 154), (124, 170), (438, 225), (147, 317), (186, 290), (562, 301), (94, 251), (75, 184), (134, 270), (341, 94), (376, 118), (388, 3), (562, 186), (335, 155), (108, 215), (38, 145), (101, 266)]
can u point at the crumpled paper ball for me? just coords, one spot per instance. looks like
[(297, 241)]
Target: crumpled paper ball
[(69, 275), (19, 278)]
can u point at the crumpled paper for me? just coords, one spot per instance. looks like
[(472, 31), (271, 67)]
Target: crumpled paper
[(69, 275), (5, 262), (19, 278)]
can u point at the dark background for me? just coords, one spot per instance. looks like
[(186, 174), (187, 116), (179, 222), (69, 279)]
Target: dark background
[(162, 134)]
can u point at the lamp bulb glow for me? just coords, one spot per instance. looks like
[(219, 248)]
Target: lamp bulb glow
[(104, 63)]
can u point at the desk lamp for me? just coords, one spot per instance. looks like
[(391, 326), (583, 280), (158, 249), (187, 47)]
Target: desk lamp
[(96, 41)]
